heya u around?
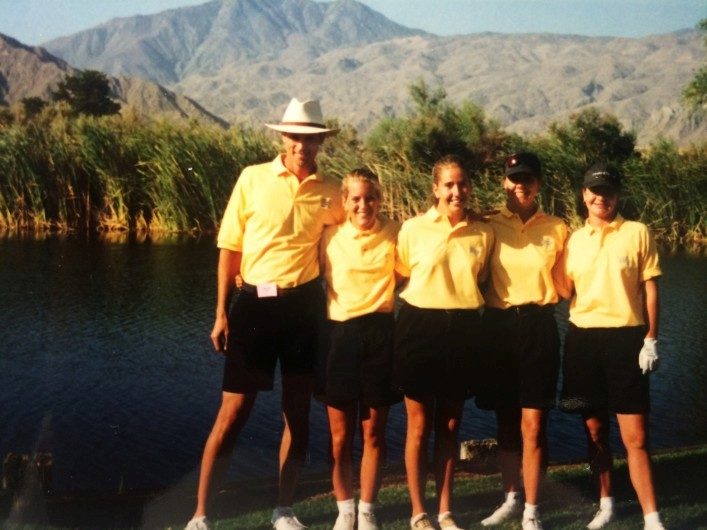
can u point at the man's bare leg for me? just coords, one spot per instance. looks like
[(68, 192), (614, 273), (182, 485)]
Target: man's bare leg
[(232, 416)]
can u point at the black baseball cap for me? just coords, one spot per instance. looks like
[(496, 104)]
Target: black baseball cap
[(523, 162), (602, 175)]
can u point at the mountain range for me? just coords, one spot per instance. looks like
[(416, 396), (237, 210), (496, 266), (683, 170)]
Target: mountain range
[(30, 71), (243, 60)]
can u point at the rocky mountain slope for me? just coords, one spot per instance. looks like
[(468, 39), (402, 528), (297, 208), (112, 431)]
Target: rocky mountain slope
[(244, 59), (203, 39), (28, 71)]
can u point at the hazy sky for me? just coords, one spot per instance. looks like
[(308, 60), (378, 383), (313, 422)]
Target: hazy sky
[(36, 21)]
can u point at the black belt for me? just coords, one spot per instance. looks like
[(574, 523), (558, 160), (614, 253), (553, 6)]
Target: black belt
[(524, 310), (282, 291), (431, 310)]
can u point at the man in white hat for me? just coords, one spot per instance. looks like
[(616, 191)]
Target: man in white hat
[(269, 236)]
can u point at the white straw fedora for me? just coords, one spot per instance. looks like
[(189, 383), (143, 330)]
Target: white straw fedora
[(302, 117)]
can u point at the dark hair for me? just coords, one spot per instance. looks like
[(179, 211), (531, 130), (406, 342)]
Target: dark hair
[(446, 161)]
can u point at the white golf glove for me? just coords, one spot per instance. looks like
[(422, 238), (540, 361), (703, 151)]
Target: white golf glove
[(648, 358)]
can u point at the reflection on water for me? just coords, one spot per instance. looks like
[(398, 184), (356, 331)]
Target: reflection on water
[(107, 364)]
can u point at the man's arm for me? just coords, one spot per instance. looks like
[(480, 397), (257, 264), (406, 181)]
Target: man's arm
[(229, 266)]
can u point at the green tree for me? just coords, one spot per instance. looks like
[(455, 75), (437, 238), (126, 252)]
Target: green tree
[(594, 137), (567, 151), (695, 93), (342, 152), (434, 128), (6, 117), (88, 93), (402, 150), (32, 106)]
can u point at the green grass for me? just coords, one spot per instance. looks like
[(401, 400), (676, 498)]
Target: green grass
[(568, 501)]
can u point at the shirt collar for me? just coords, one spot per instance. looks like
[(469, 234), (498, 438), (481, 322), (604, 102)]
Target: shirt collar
[(613, 225), (354, 232), (509, 214), (432, 214), (436, 217), (505, 212), (280, 170)]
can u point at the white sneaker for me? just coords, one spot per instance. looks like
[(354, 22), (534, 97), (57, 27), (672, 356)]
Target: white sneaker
[(447, 522), (601, 519), (367, 521), (198, 523), (345, 521), (504, 512), (285, 520), (532, 523), (423, 522), (656, 525)]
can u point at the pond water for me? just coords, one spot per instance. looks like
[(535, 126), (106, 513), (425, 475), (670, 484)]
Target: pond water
[(105, 362)]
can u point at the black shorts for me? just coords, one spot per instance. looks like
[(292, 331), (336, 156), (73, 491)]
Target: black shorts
[(265, 330), (435, 352), (358, 362), (600, 371), (520, 361)]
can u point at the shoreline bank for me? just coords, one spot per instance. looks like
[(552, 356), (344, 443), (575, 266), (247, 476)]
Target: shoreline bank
[(246, 504)]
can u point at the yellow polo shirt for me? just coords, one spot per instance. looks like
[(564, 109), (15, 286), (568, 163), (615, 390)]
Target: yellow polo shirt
[(524, 258), (276, 222), (445, 263), (358, 266), (608, 266)]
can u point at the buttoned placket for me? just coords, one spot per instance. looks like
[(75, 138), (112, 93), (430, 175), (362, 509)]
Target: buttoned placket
[(362, 246), (357, 234)]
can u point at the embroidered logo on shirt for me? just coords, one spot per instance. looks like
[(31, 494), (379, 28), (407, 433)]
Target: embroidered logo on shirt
[(325, 202), (548, 243), (475, 250), (623, 261)]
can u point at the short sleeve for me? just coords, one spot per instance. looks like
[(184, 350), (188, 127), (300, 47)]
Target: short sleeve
[(488, 252), (402, 253), (650, 262), (230, 235), (563, 285)]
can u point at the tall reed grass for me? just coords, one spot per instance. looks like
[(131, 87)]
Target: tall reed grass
[(123, 174), (667, 190), (113, 173)]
